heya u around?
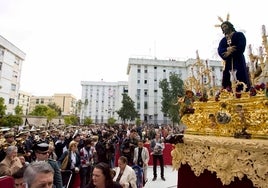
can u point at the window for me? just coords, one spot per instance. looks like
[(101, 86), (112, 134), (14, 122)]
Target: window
[(155, 67), (155, 90), (11, 101), (37, 101), (145, 71), (1, 65), (13, 87), (139, 70), (138, 81), (145, 93), (164, 70), (145, 81), (138, 105), (145, 105)]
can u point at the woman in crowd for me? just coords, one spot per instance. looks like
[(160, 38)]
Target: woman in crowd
[(102, 177), (125, 175), (73, 163)]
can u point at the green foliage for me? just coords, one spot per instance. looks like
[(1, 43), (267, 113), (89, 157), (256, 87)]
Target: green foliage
[(18, 110), (12, 120), (79, 105), (71, 120), (51, 113), (88, 121), (138, 121), (39, 110), (55, 107), (46, 111), (170, 91), (3, 107), (111, 121), (127, 111)]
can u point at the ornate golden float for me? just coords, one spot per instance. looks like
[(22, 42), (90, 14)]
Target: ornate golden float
[(243, 114), (208, 143)]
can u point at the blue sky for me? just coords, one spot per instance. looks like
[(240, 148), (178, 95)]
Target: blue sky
[(69, 41)]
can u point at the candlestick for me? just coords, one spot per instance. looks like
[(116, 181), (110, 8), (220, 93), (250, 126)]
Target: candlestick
[(263, 30)]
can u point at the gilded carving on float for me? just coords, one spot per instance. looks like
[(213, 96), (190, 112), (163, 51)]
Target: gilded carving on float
[(227, 156)]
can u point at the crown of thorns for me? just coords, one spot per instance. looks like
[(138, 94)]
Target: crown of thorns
[(221, 20)]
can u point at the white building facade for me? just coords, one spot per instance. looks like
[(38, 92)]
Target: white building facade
[(24, 101), (101, 100), (143, 83), (11, 59)]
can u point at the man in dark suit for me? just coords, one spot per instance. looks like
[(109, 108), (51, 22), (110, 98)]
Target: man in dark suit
[(41, 153)]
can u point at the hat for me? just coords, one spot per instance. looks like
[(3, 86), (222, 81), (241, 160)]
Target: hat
[(43, 146), (9, 134), (22, 133)]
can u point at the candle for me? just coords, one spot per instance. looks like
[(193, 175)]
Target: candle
[(263, 30), (197, 55), (213, 80), (249, 49), (260, 51)]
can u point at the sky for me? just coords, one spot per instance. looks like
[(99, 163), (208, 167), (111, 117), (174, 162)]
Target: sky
[(69, 41)]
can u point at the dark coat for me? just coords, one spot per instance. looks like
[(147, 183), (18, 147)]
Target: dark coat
[(236, 59), (57, 173), (77, 164)]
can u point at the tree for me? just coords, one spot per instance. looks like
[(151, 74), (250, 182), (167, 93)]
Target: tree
[(71, 120), (18, 110), (55, 107), (43, 110), (127, 111), (50, 114), (88, 121), (3, 107), (12, 120), (78, 106), (111, 121), (39, 110), (170, 92)]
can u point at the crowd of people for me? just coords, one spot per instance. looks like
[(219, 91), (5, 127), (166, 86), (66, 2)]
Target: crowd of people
[(83, 152)]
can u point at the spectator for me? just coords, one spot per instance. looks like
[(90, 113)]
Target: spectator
[(128, 146), (38, 174), (18, 178), (60, 145), (141, 158), (157, 146), (86, 156), (102, 177), (73, 163), (125, 175), (41, 152), (11, 162)]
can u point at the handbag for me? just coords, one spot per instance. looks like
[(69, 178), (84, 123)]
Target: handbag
[(65, 162)]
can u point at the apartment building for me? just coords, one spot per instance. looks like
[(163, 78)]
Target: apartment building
[(24, 101), (67, 102), (144, 77), (40, 100), (101, 100), (11, 59)]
